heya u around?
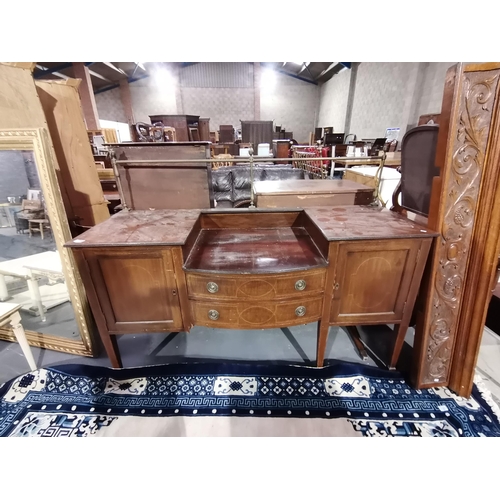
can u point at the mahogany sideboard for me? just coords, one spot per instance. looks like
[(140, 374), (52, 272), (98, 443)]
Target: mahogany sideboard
[(167, 270)]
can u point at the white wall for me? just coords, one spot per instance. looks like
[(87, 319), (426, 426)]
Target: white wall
[(109, 105), (291, 103), (224, 106), (223, 92), (150, 97), (333, 101), (384, 95), (433, 86)]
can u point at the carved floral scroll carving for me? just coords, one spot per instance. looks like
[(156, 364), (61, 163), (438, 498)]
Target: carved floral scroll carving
[(461, 194)]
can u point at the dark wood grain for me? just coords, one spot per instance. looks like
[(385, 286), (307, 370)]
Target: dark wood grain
[(267, 250), (373, 281), (365, 223), (238, 219), (137, 289), (140, 227)]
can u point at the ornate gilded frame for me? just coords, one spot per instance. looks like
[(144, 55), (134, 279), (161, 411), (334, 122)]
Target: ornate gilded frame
[(36, 140)]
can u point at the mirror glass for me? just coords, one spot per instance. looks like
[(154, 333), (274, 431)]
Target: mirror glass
[(31, 271)]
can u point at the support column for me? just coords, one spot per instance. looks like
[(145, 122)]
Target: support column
[(86, 92), (175, 70), (350, 97), (256, 90), (126, 98)]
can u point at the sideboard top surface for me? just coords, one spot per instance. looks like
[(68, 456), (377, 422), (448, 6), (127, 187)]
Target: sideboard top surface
[(172, 227), (359, 222)]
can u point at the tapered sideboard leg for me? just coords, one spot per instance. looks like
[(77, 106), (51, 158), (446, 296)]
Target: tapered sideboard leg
[(400, 331), (323, 329), (111, 346)]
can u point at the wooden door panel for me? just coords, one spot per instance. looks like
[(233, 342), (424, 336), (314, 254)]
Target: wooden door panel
[(137, 290), (372, 281)]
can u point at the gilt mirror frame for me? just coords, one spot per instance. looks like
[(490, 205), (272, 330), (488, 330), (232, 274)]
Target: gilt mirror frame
[(36, 140)]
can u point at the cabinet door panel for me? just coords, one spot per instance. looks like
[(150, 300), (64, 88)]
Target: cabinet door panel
[(137, 290), (372, 281)]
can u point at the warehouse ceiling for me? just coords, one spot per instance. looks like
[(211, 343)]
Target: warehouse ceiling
[(107, 75)]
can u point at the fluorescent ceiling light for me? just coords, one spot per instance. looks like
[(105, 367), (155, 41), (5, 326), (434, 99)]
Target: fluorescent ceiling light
[(268, 78)]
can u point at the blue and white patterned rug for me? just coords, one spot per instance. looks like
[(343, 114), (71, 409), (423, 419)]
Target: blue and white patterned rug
[(221, 399)]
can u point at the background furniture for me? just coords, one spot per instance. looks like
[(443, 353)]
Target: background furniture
[(7, 214), (384, 181), (257, 132), (232, 185), (144, 182), (144, 132), (418, 169), (310, 193), (204, 128), (167, 270), (281, 149), (38, 226), (431, 119), (226, 134), (30, 209), (78, 181), (181, 124), (9, 314)]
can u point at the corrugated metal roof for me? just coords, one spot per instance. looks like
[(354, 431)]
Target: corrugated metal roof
[(216, 75)]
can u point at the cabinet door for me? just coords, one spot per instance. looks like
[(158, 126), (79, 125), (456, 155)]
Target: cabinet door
[(136, 289), (372, 281)]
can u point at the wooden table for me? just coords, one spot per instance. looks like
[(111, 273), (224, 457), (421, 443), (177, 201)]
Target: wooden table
[(9, 313), (311, 192), (167, 270)]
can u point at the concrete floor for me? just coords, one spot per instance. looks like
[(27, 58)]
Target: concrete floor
[(295, 345)]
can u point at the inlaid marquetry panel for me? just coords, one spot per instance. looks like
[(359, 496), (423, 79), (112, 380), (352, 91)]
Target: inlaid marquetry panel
[(137, 291), (297, 284), (372, 282), (255, 315)]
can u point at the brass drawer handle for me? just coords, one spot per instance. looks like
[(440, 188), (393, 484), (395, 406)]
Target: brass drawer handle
[(300, 285), (213, 314), (336, 286), (212, 287), (300, 311)]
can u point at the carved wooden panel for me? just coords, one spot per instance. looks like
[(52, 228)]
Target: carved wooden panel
[(468, 137)]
